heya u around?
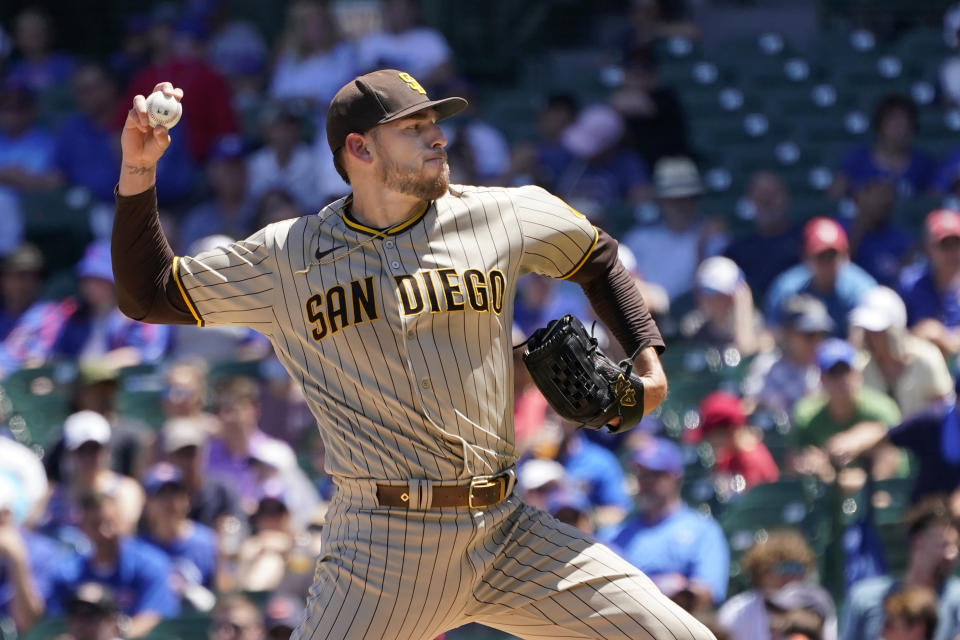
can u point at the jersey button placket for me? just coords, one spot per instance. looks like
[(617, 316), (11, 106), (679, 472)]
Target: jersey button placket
[(391, 253)]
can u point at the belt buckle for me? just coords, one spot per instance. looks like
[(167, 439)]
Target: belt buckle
[(485, 482)]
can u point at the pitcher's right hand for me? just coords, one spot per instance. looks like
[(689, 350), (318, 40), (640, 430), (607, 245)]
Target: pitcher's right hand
[(141, 144)]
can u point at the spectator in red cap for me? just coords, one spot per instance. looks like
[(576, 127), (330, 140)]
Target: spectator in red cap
[(738, 449), (826, 273), (931, 291)]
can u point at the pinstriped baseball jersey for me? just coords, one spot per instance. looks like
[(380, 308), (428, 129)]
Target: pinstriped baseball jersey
[(401, 339)]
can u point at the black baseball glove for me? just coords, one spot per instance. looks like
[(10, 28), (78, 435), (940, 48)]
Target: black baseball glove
[(579, 381)]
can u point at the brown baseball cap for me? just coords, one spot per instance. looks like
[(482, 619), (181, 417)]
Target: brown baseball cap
[(378, 97)]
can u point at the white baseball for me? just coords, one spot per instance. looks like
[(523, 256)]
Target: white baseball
[(163, 109)]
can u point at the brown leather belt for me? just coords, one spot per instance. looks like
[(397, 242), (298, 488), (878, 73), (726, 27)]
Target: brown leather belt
[(483, 491)]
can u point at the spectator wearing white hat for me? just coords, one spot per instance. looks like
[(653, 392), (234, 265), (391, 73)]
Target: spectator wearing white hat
[(725, 315), (668, 252), (86, 438), (22, 464), (910, 369), (212, 501), (595, 171), (274, 460)]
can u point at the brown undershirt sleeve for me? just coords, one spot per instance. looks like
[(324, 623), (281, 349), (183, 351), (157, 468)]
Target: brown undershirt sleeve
[(147, 289), (615, 299)]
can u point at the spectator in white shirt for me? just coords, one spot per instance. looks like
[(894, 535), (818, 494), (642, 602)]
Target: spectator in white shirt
[(286, 161), (314, 61), (406, 44)]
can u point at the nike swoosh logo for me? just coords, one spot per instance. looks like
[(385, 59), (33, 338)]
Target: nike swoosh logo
[(319, 254)]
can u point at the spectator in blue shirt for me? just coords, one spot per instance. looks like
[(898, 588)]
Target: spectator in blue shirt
[(595, 170), (230, 211), (98, 328), (86, 152), (774, 244), (892, 155), (595, 471), (26, 160), (933, 437), (27, 562), (826, 273), (931, 290), (189, 546), (878, 244), (39, 68), (138, 574), (932, 539), (184, 439), (89, 326), (680, 549)]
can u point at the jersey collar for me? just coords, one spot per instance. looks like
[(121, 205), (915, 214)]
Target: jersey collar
[(389, 231)]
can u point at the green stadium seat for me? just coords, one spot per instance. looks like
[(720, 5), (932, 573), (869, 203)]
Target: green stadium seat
[(140, 394), (923, 40), (795, 502), (806, 205), (891, 499), (186, 627), (776, 434), (575, 71), (54, 105), (911, 213), (934, 123), (58, 222), (47, 628), (939, 146), (234, 368), (513, 112), (40, 396)]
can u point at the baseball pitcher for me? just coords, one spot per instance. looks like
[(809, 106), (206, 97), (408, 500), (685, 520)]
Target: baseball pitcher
[(393, 309)]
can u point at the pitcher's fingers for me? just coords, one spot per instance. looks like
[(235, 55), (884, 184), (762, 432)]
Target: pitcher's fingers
[(140, 106), (162, 135), (134, 118), (166, 87), (176, 92)]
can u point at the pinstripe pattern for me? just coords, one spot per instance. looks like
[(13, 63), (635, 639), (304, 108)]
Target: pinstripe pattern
[(411, 575), (422, 395), (401, 343)]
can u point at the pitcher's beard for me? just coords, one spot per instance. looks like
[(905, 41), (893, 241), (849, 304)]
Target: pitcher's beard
[(413, 183)]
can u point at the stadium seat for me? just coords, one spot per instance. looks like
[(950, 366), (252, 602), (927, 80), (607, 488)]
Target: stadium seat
[(47, 628), (890, 498), (776, 437), (41, 397), (185, 627), (576, 71), (58, 222), (233, 368), (923, 40), (513, 112), (140, 394), (911, 213), (796, 502)]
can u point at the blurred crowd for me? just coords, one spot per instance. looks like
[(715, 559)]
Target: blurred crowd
[(842, 326)]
